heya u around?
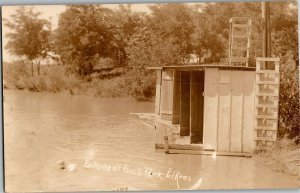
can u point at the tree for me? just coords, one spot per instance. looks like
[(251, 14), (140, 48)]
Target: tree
[(289, 107), (211, 35), (145, 48), (285, 29), (172, 23), (285, 46), (83, 36), (29, 35), (125, 24)]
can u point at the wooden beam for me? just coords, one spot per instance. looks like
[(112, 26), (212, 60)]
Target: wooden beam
[(180, 147), (196, 152), (204, 66)]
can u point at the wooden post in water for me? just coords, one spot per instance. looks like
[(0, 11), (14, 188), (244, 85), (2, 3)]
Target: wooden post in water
[(166, 144)]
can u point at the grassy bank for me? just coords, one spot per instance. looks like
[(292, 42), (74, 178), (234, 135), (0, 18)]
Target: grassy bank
[(283, 156), (55, 78)]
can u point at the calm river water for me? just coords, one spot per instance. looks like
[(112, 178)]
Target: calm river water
[(56, 142)]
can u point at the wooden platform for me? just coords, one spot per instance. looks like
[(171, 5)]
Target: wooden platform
[(203, 152), (155, 120), (179, 144), (195, 147)]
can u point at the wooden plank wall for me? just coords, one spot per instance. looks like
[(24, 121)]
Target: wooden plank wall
[(237, 85), (158, 92), (224, 111), (211, 100), (229, 110), (167, 95), (249, 110)]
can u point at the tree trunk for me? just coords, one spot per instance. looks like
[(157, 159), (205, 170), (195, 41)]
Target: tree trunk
[(31, 68), (38, 67)]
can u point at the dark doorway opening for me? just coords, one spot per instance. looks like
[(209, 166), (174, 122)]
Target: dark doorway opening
[(191, 105), (196, 106)]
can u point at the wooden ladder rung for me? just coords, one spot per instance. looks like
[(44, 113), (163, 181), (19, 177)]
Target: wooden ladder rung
[(264, 139), (267, 82), (266, 117), (240, 48), (267, 106), (240, 25), (261, 59), (268, 94), (240, 36), (239, 59), (267, 72), (267, 128)]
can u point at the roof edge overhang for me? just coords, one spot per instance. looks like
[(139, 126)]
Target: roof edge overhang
[(202, 67)]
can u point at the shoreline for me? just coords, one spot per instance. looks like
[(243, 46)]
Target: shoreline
[(283, 157), (67, 93), (55, 79)]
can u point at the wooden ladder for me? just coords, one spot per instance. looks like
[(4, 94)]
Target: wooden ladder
[(239, 41), (267, 101)]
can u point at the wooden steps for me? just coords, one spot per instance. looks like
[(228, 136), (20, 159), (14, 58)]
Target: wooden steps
[(266, 117), (239, 54)]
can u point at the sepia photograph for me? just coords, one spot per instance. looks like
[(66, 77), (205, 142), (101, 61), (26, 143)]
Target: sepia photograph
[(150, 97)]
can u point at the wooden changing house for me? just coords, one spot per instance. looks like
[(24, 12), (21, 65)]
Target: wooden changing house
[(217, 108)]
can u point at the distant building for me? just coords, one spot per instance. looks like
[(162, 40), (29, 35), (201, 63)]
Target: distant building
[(193, 59), (50, 59)]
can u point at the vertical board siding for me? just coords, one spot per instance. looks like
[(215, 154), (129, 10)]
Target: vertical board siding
[(248, 111), (228, 112), (196, 106), (176, 98), (158, 92), (224, 111), (185, 104), (167, 95), (237, 85), (210, 125)]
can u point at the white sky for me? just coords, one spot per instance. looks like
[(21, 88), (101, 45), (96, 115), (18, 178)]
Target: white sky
[(47, 12)]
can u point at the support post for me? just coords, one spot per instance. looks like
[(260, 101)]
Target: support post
[(166, 144), (266, 29)]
